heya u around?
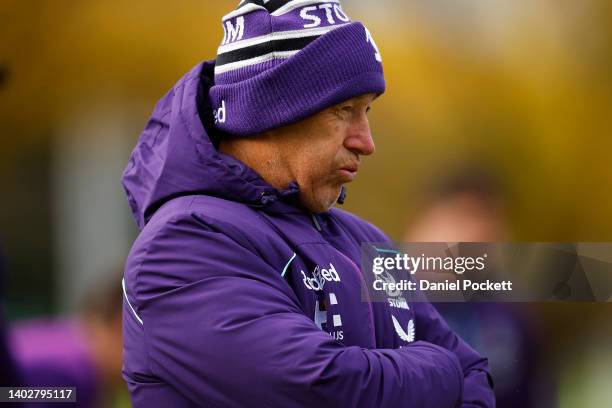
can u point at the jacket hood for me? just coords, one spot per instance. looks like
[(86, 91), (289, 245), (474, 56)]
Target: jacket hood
[(176, 156)]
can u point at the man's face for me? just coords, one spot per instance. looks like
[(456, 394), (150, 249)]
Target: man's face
[(322, 152)]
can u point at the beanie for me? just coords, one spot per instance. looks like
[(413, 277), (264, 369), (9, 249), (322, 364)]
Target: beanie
[(282, 61)]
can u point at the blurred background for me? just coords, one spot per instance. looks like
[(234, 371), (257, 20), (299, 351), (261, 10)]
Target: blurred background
[(496, 126)]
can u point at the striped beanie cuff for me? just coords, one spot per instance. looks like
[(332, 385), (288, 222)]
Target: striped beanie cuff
[(282, 61)]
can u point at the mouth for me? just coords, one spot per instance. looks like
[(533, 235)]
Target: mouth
[(349, 172)]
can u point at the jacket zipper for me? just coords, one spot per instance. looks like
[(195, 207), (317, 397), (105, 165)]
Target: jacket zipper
[(315, 221)]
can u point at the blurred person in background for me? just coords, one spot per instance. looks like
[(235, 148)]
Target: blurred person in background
[(469, 205), (83, 351)]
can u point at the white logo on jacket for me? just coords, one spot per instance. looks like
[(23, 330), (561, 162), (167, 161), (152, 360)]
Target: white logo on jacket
[(320, 276), (320, 318), (395, 297), (409, 334)]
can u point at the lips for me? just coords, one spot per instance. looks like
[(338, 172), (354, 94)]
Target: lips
[(353, 168), (349, 172)]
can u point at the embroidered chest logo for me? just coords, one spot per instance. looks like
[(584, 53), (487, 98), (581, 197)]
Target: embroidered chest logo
[(395, 297), (407, 335)]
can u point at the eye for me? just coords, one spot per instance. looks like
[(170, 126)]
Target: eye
[(343, 112), (368, 109)]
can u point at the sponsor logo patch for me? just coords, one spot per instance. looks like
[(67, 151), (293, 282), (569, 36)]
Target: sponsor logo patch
[(319, 277), (406, 335)]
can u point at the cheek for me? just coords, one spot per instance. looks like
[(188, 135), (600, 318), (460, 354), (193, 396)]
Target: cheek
[(318, 163), (318, 174), (324, 171)]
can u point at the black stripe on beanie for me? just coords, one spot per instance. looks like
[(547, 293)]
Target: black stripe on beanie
[(271, 6), (258, 50)]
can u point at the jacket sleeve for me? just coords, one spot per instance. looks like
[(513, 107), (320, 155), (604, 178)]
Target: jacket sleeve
[(224, 329), (478, 384)]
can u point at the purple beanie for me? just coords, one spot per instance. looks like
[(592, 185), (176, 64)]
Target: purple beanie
[(281, 61)]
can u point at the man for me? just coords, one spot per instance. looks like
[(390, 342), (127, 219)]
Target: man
[(243, 288)]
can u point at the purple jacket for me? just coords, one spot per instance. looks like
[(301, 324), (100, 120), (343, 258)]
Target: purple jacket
[(235, 297)]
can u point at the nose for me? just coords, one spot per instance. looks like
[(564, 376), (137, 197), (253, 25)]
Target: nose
[(359, 138)]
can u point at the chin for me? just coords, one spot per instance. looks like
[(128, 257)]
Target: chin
[(326, 201)]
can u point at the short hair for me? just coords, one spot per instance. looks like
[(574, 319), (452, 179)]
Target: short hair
[(477, 181)]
